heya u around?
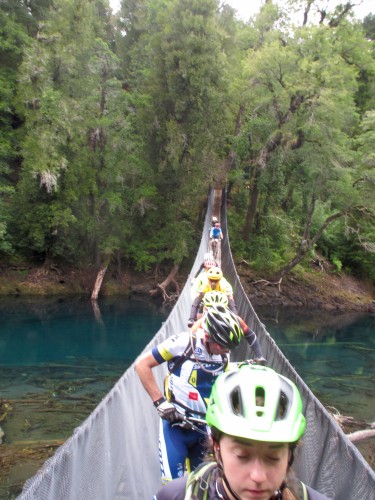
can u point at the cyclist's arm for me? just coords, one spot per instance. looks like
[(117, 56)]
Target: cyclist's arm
[(226, 287), (197, 325), (195, 306), (251, 339), (232, 305), (144, 369), (199, 270)]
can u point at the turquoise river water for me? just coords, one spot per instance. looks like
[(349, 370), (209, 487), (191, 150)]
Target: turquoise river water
[(59, 357)]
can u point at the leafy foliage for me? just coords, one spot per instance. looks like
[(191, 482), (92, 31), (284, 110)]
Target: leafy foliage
[(114, 127)]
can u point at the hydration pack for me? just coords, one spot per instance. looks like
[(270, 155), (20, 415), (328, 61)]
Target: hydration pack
[(176, 363), (198, 482)]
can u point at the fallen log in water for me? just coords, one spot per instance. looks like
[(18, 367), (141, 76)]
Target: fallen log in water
[(366, 429), (357, 436)]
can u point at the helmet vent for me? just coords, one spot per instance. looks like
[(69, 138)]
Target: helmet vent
[(236, 401), (259, 401), (282, 407)]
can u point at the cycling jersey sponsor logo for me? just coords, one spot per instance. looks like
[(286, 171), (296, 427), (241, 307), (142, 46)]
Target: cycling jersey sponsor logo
[(193, 396), (198, 350), (208, 365)]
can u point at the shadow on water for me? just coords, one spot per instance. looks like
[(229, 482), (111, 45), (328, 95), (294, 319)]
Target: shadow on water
[(58, 359)]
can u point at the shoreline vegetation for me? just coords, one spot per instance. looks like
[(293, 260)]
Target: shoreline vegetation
[(317, 288)]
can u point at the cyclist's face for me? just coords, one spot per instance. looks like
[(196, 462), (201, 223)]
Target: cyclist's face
[(254, 469), (214, 284), (214, 347)]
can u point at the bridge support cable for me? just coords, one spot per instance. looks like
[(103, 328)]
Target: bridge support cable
[(113, 454)]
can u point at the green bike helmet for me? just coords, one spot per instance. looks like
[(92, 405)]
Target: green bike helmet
[(214, 298), (254, 402), (222, 326)]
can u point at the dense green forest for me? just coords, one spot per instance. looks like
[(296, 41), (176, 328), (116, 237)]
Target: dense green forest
[(115, 126)]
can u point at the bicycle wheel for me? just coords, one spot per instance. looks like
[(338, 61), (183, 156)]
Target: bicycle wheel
[(215, 242)]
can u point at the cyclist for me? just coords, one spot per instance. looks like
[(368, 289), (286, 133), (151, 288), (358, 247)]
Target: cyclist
[(255, 417), (216, 234), (219, 299), (215, 281), (208, 262), (194, 362)]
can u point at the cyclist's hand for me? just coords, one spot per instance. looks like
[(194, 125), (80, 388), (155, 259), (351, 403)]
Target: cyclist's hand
[(166, 410), (183, 424), (260, 361), (190, 322), (256, 361)]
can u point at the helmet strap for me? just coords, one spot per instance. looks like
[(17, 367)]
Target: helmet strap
[(291, 455), (229, 488), (278, 495), (221, 467)]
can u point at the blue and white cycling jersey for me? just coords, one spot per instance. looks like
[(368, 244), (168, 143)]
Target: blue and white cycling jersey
[(191, 382), (215, 232)]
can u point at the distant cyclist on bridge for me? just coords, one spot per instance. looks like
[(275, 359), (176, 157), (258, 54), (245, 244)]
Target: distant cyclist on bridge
[(256, 420), (216, 235), (200, 275), (194, 362), (215, 281), (214, 219)]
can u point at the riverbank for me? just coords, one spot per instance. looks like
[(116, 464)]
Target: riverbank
[(318, 288), (314, 289)]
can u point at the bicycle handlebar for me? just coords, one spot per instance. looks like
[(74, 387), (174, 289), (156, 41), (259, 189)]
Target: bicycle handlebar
[(189, 421)]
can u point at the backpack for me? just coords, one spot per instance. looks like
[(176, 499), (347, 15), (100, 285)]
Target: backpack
[(198, 482), (174, 365)]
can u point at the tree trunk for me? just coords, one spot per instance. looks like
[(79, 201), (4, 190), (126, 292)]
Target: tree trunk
[(306, 245), (357, 436), (261, 160), (99, 279), (252, 207), (310, 213), (163, 286)]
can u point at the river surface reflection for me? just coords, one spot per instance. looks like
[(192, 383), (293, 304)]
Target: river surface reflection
[(333, 353), (58, 359)]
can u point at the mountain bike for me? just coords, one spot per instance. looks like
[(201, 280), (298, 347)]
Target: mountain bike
[(190, 422), (215, 243)]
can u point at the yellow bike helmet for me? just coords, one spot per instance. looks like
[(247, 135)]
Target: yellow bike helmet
[(214, 274)]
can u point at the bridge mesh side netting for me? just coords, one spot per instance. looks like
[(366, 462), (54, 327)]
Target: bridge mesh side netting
[(113, 454)]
